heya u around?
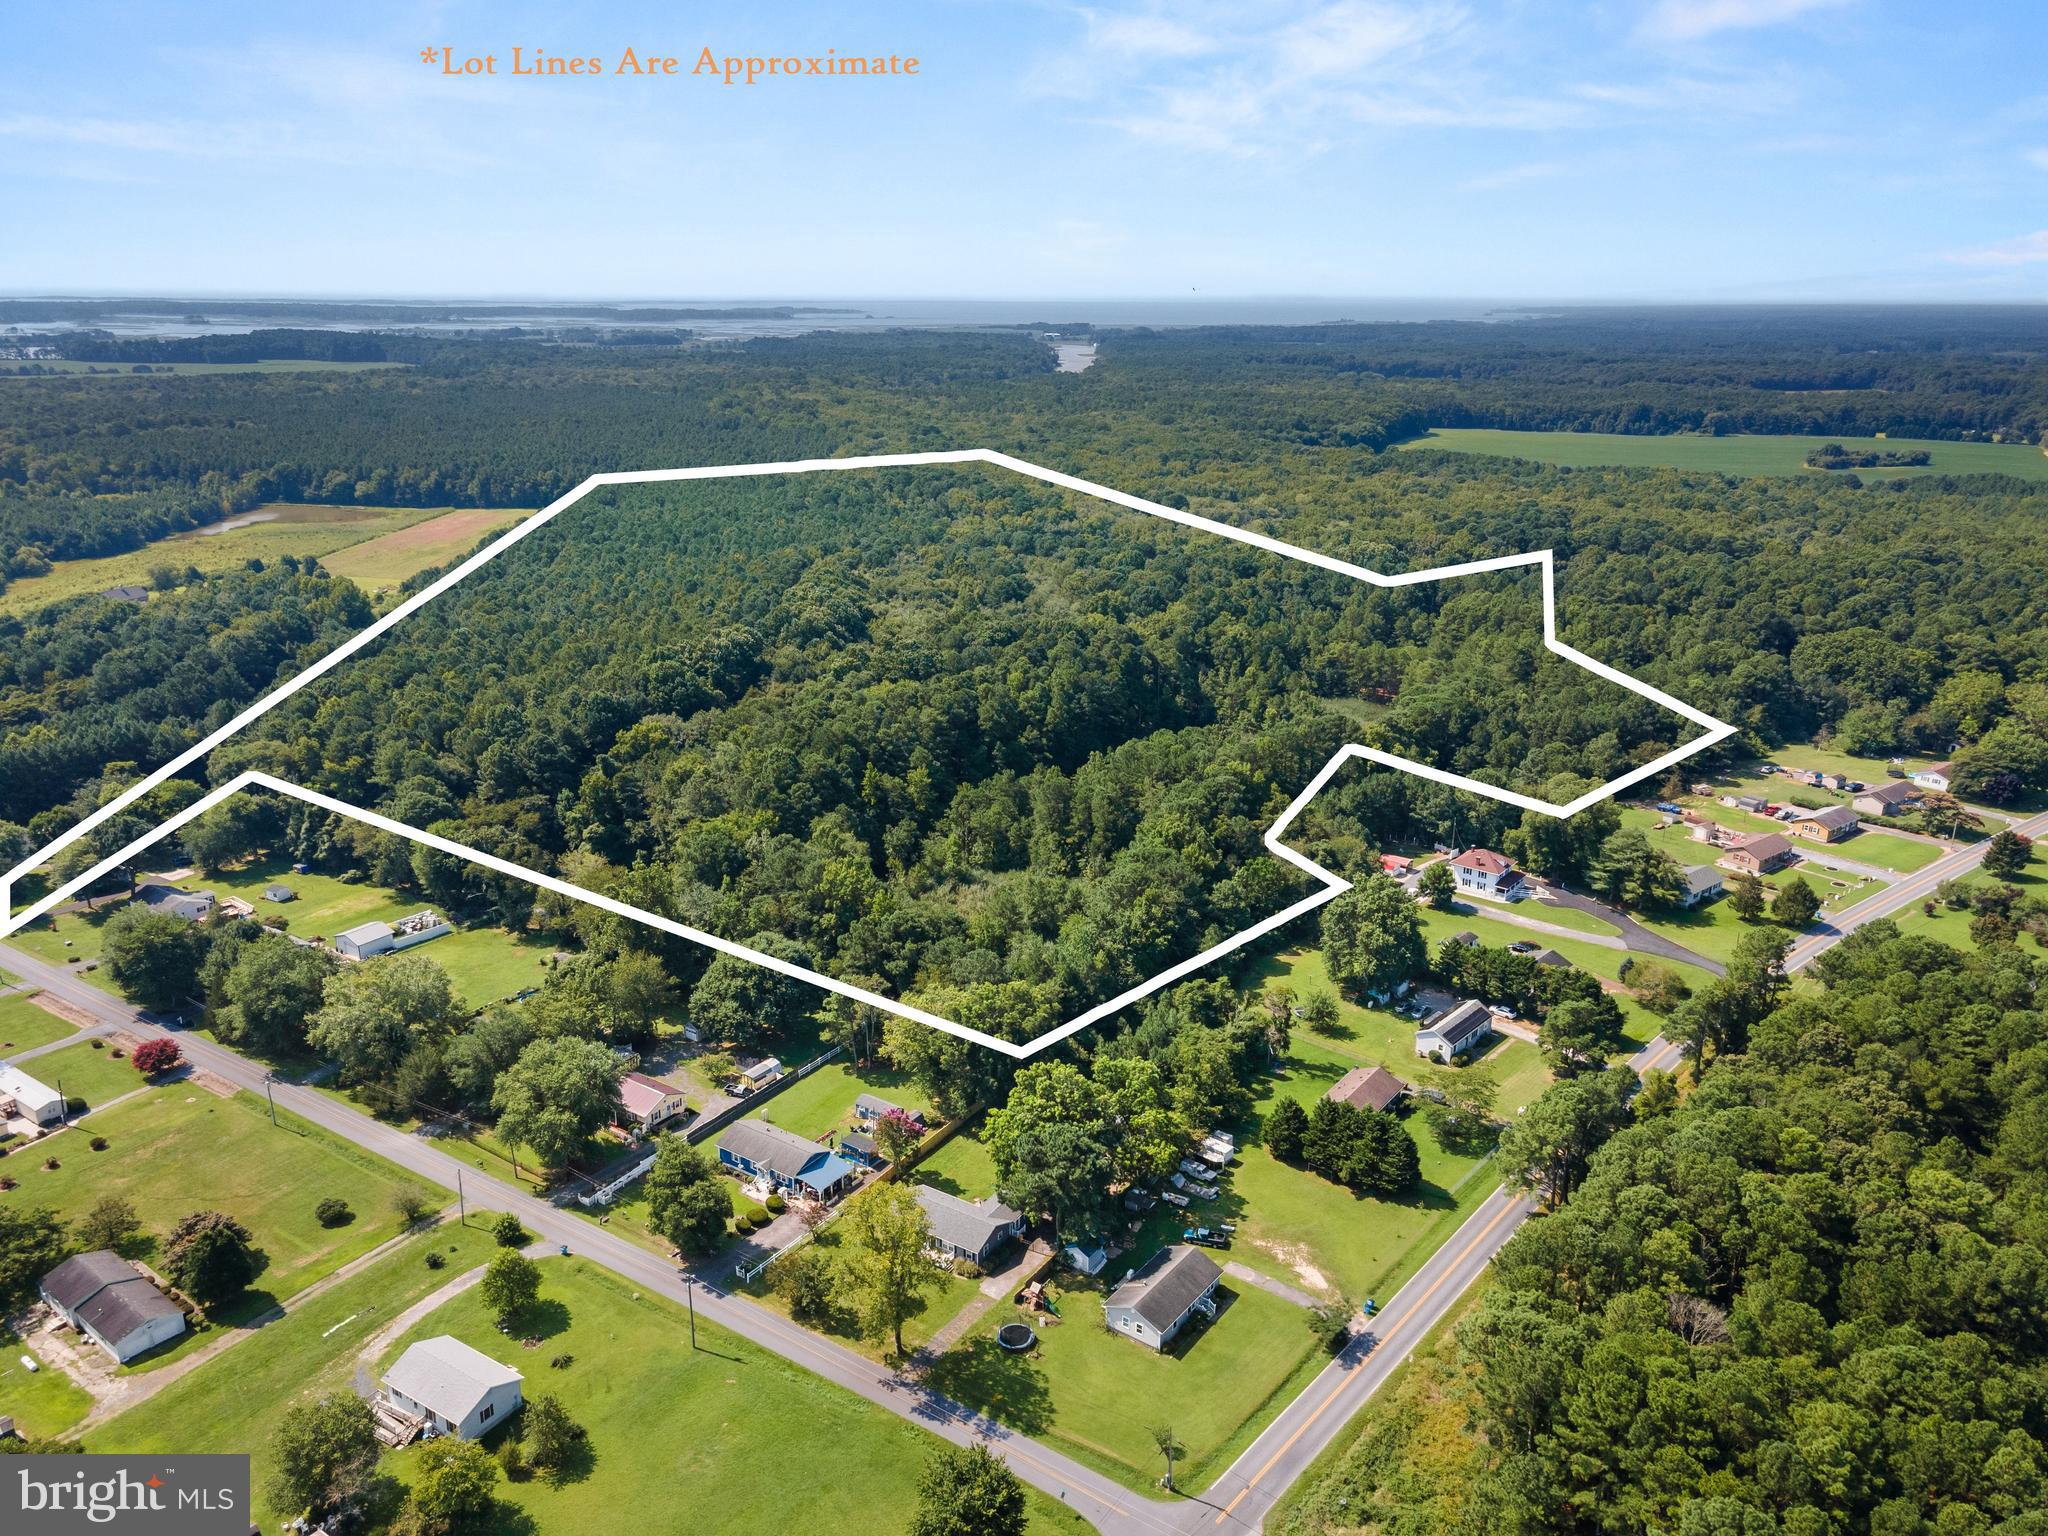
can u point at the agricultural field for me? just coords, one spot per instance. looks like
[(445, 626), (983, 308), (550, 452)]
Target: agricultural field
[(1093, 1393), (180, 1148), (24, 1025), (744, 1421), (1736, 454), (383, 545)]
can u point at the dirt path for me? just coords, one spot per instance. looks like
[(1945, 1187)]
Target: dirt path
[(391, 1332)]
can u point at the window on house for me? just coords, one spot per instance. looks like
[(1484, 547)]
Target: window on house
[(485, 1416)]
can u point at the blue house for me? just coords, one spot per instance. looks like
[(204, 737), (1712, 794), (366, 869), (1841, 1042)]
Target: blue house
[(788, 1162)]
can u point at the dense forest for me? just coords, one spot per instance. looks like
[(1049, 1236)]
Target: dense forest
[(1809, 1297)]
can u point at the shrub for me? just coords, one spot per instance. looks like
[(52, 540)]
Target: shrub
[(119, 1053), (98, 1044), (333, 1212), (9, 1181), (52, 1164), (412, 1205), (98, 1143), (777, 1204), (75, 1106), (512, 1458), (436, 1259), (509, 1233)]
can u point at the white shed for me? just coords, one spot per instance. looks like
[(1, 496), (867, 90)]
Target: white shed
[(455, 1389)]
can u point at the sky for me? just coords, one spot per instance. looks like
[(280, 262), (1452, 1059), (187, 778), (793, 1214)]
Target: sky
[(1713, 150)]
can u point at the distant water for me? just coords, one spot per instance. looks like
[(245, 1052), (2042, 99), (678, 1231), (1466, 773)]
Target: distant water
[(217, 316)]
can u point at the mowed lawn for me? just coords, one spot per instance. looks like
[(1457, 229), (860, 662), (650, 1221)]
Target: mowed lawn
[(179, 1149), (24, 1024), (232, 1402), (941, 1305), (483, 964), (1736, 454), (42, 1403), (1096, 1394), (962, 1166), (823, 1102), (1953, 928), (83, 1072), (69, 939), (728, 1437)]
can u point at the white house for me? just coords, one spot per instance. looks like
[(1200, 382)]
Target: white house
[(113, 1303), (24, 1098), (367, 939), (1453, 1031), (1703, 883), (193, 906), (1482, 872), (454, 1389), (1935, 776), (1157, 1300)]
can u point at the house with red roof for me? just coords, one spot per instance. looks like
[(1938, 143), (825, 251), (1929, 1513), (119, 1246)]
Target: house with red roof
[(1482, 872), (647, 1103)]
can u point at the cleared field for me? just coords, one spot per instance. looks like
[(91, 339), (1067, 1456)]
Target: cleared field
[(96, 1076), (179, 1149), (747, 1440), (270, 533), (24, 1025), (1739, 454), (823, 1102), (392, 558)]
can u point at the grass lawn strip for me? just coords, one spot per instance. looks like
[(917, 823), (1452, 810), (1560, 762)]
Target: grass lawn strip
[(24, 1024), (43, 1404), (95, 1076), (1735, 454)]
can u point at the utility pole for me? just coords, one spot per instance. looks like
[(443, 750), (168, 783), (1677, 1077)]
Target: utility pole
[(690, 1290), (271, 1098), (461, 1201)]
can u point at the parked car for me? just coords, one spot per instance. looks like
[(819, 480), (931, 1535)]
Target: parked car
[(1500, 1010), (1174, 1198), (1522, 947), (1205, 1237), (1195, 1170), (1202, 1191)]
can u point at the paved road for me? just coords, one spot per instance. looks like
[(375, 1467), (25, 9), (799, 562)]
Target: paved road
[(1634, 936), (1907, 891), (1240, 1496)]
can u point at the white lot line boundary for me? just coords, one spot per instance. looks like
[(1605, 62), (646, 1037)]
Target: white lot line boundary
[(1713, 731)]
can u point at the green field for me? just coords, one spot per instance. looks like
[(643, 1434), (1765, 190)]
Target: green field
[(1738, 454), (24, 1025), (1094, 1393), (941, 1305), (67, 938), (727, 1436), (484, 964), (179, 1149), (96, 1076), (43, 1403), (962, 1166), (1953, 928), (385, 545)]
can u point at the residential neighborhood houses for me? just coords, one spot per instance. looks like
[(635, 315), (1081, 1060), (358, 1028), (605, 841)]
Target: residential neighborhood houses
[(1762, 853), (1894, 797), (1484, 873), (647, 1104), (969, 1231), (1451, 1032), (784, 1162), (1829, 824)]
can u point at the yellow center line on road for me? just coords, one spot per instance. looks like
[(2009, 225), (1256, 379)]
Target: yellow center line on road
[(1391, 1328)]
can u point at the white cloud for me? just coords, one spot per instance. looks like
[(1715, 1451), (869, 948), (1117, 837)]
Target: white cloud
[(1514, 175), (1681, 21), (2019, 251), (2038, 157), (1149, 35)]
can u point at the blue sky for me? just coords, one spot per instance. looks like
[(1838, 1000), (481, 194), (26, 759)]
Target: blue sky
[(1638, 149)]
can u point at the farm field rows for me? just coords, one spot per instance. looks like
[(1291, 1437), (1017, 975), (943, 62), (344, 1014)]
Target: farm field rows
[(375, 546)]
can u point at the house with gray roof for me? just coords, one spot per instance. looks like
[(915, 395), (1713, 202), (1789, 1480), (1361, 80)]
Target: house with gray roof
[(1703, 883), (785, 1160), (1156, 1300), (968, 1230), (452, 1388), (112, 1303), (193, 906)]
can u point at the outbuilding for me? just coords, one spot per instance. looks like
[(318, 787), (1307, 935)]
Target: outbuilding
[(113, 1303), (26, 1098)]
